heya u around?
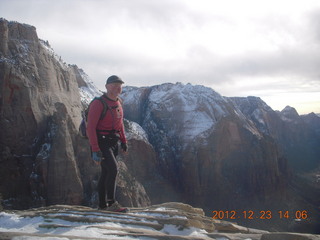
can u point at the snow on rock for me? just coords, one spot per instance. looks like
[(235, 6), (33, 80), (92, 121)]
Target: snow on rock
[(50, 50), (131, 94), (134, 130), (289, 114), (90, 91), (196, 108), (165, 221)]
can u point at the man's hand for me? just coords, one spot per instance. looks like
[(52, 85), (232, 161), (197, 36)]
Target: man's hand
[(97, 157), (124, 147)]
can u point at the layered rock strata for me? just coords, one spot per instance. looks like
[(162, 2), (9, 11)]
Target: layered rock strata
[(165, 221)]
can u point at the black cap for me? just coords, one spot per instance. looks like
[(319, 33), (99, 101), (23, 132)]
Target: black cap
[(114, 79)]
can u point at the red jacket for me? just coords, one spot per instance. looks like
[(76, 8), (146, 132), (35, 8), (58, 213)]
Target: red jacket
[(113, 120)]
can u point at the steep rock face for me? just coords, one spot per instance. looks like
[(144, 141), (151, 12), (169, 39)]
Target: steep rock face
[(263, 117), (136, 100), (313, 120), (297, 136), (56, 162), (43, 158), (206, 146), (142, 164), (229, 153), (34, 86), (302, 140)]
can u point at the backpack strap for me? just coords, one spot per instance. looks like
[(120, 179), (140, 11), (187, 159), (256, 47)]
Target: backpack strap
[(105, 107)]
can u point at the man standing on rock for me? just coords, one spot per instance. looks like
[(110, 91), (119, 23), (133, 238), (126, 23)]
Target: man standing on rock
[(104, 134)]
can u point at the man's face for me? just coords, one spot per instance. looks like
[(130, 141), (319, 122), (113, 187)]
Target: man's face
[(114, 88)]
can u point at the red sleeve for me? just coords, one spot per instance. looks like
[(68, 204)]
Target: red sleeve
[(122, 134), (95, 110), (123, 138)]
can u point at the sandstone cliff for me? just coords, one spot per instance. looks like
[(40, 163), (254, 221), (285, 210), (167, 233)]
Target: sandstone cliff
[(43, 159), (38, 93), (205, 145), (226, 153), (297, 136)]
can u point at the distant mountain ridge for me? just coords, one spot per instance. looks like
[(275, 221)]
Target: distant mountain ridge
[(209, 145), (194, 111), (187, 143)]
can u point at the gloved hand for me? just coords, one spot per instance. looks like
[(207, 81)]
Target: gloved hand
[(124, 147), (97, 156)]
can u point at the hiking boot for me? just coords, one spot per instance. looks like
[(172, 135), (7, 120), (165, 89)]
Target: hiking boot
[(116, 207)]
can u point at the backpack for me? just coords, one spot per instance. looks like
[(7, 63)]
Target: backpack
[(83, 124)]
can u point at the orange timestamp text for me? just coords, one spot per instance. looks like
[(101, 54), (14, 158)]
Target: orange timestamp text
[(263, 214)]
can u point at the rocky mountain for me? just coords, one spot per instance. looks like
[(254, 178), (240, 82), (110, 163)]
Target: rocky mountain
[(210, 146), (187, 143), (44, 160), (38, 93), (297, 136), (205, 145)]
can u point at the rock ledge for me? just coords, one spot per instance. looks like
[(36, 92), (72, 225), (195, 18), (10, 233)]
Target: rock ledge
[(165, 221)]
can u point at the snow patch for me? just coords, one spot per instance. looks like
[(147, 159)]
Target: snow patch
[(49, 49), (197, 108), (131, 95), (174, 230), (89, 92), (135, 131), (74, 224)]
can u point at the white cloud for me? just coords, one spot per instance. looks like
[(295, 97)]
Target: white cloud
[(270, 48)]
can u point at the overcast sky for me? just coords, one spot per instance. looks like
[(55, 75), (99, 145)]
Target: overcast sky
[(265, 48)]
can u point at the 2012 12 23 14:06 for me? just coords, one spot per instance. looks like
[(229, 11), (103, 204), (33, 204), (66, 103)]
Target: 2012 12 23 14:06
[(263, 214)]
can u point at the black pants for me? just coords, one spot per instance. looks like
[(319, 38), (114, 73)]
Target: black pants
[(108, 145)]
